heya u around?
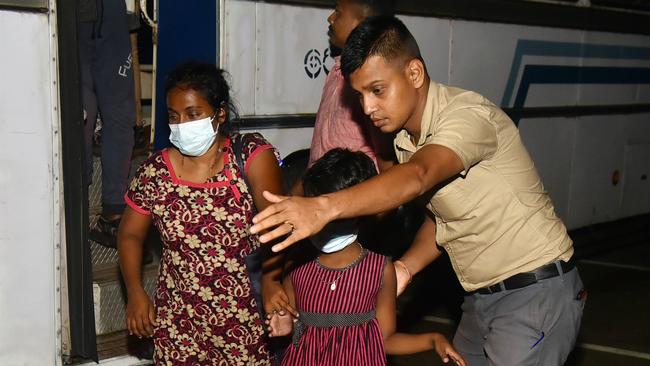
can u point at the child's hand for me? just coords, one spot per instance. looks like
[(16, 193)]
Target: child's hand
[(275, 299), (279, 324), (445, 350)]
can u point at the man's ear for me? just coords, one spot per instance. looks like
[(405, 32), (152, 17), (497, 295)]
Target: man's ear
[(415, 72)]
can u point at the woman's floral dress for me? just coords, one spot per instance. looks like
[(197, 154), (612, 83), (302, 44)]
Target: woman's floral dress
[(204, 305)]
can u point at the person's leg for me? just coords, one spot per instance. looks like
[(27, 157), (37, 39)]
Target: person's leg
[(470, 335), (115, 92), (565, 305), (535, 325)]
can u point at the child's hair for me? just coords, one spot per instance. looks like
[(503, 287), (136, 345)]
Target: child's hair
[(336, 170), (381, 36), (209, 81), (377, 7)]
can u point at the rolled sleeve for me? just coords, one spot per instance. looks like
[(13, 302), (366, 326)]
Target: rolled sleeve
[(468, 132)]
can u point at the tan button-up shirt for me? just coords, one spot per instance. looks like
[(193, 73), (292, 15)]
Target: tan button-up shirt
[(495, 219)]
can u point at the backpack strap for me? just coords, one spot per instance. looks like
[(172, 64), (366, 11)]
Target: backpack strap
[(254, 260), (237, 144)]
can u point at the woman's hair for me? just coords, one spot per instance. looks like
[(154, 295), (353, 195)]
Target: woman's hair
[(209, 81), (336, 170)]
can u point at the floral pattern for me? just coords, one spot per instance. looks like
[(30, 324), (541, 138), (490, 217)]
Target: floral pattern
[(204, 304)]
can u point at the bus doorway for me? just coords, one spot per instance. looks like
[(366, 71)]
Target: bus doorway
[(161, 40)]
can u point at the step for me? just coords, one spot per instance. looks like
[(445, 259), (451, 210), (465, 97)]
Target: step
[(109, 295)]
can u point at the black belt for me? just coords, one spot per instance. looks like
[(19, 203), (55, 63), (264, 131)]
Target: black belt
[(326, 320), (528, 278)]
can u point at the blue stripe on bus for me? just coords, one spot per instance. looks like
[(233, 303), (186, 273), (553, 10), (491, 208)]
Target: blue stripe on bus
[(567, 49), (552, 74)]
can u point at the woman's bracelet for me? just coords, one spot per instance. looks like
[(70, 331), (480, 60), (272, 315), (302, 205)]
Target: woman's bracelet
[(401, 264)]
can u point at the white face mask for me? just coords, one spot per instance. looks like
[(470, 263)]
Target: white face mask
[(193, 138), (335, 236)]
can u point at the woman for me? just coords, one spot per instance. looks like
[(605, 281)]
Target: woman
[(197, 196)]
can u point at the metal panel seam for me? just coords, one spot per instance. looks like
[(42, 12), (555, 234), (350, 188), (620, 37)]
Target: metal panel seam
[(57, 193)]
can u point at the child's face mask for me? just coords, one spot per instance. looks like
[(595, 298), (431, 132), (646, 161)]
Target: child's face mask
[(335, 236)]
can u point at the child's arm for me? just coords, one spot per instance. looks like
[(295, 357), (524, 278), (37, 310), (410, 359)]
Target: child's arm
[(281, 323), (402, 343)]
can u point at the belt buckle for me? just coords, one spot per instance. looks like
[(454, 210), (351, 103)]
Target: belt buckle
[(489, 290), (495, 288)]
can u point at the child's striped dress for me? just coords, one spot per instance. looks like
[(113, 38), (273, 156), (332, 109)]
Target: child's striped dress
[(337, 325)]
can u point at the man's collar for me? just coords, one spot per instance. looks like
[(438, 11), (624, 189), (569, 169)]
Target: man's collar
[(403, 140)]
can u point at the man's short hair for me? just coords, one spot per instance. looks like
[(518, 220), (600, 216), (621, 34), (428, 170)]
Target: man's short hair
[(381, 36), (377, 7)]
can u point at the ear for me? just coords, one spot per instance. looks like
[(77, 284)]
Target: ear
[(221, 115), (415, 72)]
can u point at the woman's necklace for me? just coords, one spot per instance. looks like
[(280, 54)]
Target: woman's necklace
[(212, 165), (332, 284)]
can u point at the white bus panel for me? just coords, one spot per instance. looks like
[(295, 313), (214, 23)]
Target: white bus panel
[(29, 192)]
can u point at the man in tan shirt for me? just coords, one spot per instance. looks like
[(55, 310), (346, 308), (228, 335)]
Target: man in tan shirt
[(488, 208)]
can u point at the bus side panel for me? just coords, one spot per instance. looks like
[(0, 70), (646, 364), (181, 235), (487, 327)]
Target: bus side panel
[(483, 53), (239, 53), (292, 59), (433, 36), (606, 145), (278, 59), (27, 230), (284, 73)]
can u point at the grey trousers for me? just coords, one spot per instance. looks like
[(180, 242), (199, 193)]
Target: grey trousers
[(534, 325), (108, 89)]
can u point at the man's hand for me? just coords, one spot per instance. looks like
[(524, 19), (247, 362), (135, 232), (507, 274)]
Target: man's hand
[(297, 217)]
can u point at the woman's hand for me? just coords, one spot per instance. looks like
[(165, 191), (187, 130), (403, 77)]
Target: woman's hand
[(276, 299), (140, 316)]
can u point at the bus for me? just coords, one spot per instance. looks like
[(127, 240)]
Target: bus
[(574, 75)]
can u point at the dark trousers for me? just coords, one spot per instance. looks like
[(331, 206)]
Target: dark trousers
[(108, 89)]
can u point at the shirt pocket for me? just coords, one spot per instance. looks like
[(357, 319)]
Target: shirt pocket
[(451, 202)]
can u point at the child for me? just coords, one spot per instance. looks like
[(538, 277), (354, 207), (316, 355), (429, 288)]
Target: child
[(346, 296)]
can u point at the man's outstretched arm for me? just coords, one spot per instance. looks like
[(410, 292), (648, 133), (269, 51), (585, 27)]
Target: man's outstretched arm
[(303, 217)]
